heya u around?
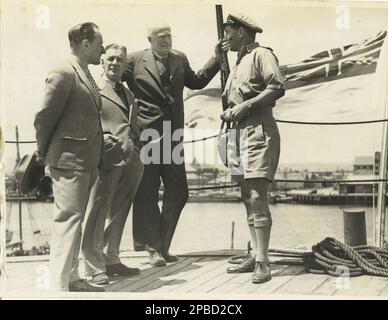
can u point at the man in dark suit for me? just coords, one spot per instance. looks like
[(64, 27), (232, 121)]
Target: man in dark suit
[(69, 139), (158, 77), (114, 191)]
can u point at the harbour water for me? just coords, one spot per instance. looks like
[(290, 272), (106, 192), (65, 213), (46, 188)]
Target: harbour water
[(208, 226)]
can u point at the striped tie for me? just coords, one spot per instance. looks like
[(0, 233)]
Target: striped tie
[(95, 89)]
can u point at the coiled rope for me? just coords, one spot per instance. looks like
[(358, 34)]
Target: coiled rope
[(335, 258)]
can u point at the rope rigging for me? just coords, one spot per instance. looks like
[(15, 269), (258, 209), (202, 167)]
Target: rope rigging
[(333, 257), (277, 120)]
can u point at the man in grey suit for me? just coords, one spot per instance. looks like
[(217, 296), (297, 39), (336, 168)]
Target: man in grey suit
[(69, 140), (158, 78), (114, 191)]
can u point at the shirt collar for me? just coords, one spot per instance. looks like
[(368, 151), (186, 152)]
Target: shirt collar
[(158, 56), (246, 49), (252, 46), (109, 81)]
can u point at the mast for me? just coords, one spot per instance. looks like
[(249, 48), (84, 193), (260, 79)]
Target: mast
[(383, 174), (19, 194)]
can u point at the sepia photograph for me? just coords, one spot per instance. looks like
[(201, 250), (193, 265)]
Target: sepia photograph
[(186, 150)]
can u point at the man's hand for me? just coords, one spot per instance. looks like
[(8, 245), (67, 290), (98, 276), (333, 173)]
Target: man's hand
[(222, 45), (111, 141), (39, 159), (236, 113)]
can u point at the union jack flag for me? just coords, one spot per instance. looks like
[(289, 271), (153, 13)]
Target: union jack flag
[(348, 61)]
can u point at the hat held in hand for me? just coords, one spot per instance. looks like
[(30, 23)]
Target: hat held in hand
[(28, 173)]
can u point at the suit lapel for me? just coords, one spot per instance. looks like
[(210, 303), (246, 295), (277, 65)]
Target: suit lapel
[(108, 92), (172, 64), (150, 66), (84, 79)]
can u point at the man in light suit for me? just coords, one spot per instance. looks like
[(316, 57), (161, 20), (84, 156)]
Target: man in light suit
[(115, 188), (158, 77), (69, 140)]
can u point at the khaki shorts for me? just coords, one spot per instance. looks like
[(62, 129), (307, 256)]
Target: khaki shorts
[(254, 148)]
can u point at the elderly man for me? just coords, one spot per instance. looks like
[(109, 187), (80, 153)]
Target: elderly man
[(159, 75), (253, 86), (118, 180), (69, 139)]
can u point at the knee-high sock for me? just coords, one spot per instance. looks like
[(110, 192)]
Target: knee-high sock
[(253, 240), (263, 235)]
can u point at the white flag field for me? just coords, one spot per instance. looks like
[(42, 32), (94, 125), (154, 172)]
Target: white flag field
[(343, 84)]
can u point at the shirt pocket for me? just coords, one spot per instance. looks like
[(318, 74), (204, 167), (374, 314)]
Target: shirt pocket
[(249, 90)]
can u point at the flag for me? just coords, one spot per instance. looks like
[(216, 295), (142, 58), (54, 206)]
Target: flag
[(335, 85)]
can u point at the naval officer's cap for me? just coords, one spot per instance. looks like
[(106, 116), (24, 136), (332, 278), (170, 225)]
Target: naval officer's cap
[(242, 20)]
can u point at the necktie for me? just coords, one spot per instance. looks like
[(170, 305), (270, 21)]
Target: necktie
[(162, 64), (119, 88), (95, 89)]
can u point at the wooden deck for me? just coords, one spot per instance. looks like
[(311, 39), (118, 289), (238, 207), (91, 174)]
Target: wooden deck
[(196, 275)]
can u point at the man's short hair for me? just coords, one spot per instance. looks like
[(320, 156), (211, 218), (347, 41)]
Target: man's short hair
[(116, 46), (156, 25), (82, 31)]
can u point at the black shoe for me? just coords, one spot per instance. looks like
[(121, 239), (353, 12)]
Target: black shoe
[(120, 269), (139, 247), (169, 257), (248, 265), (156, 260), (262, 272), (82, 286)]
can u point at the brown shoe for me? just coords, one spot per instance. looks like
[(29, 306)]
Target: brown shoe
[(169, 257), (156, 260), (119, 269), (262, 272), (248, 265), (82, 286)]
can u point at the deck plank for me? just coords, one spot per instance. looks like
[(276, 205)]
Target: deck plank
[(374, 287), (304, 284), (19, 276), (217, 277), (281, 276), (206, 265), (243, 281), (174, 283), (354, 287), (327, 288), (278, 272), (207, 275), (384, 292), (144, 280), (200, 276), (170, 277)]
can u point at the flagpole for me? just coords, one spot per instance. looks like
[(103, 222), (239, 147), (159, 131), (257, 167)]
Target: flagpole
[(383, 174)]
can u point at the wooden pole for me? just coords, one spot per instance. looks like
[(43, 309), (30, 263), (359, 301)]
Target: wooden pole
[(19, 194), (224, 63), (232, 237)]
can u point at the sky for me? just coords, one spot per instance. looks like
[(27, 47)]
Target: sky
[(31, 44)]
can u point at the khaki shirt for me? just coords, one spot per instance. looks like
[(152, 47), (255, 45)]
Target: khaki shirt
[(256, 69)]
